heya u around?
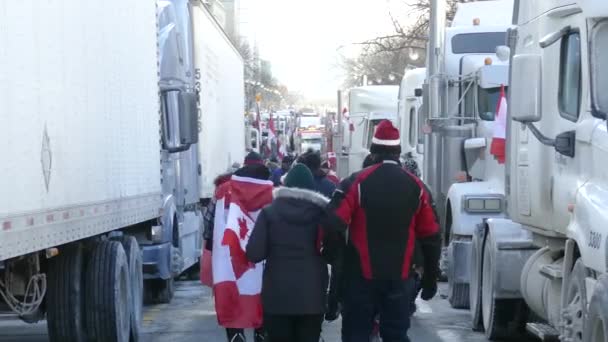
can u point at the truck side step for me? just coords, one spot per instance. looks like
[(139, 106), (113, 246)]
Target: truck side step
[(552, 272), (544, 332)]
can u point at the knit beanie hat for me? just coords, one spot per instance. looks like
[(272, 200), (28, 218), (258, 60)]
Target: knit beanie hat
[(386, 139), (299, 177), (253, 158)]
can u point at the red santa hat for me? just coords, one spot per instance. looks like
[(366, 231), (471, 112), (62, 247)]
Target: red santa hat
[(386, 139)]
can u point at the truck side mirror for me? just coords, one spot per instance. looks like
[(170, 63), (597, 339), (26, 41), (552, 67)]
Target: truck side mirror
[(526, 72), (179, 120), (418, 92), (188, 118)]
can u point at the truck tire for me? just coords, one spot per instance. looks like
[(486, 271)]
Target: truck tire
[(458, 293), (597, 320), (497, 314), (574, 314), (65, 296), (475, 283), (134, 257), (159, 291), (108, 293)]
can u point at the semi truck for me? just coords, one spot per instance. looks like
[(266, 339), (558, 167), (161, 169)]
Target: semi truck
[(410, 114), (106, 122), (543, 267), (368, 106), (463, 81)]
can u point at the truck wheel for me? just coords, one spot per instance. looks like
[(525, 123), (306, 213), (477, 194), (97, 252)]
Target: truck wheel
[(108, 293), (131, 247), (458, 294), (574, 313), (475, 282), (497, 313), (65, 296), (597, 321), (159, 291)]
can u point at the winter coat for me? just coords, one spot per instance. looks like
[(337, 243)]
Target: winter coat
[(385, 209), (323, 185), (285, 235), (276, 176), (209, 214)]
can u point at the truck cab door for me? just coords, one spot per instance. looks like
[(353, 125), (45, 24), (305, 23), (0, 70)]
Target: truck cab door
[(543, 167)]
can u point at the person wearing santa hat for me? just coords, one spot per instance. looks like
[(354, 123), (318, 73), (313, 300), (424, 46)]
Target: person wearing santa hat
[(385, 209)]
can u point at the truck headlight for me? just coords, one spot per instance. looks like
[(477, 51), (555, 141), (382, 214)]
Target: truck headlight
[(483, 204)]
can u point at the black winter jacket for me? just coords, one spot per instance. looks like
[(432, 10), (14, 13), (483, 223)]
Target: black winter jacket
[(286, 236)]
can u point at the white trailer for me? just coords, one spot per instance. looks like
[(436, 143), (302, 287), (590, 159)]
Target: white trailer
[(102, 178), (368, 105), (219, 67), (410, 114), (545, 266)]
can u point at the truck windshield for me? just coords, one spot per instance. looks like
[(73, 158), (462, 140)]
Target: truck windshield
[(599, 74), (483, 42), (309, 121)]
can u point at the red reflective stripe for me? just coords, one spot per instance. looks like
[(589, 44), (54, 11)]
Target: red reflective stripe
[(6, 225), (50, 218), (66, 215)]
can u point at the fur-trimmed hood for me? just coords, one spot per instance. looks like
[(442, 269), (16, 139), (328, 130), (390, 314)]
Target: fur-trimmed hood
[(302, 194), (298, 206)]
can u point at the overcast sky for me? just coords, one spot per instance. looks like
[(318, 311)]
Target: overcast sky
[(301, 38)]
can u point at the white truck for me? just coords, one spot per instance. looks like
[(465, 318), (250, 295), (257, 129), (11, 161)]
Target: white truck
[(410, 114), (368, 105), (462, 85), (101, 147), (545, 266)]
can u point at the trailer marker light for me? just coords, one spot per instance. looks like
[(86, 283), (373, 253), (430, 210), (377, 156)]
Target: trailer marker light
[(571, 207), (52, 252), (487, 61), (476, 22)]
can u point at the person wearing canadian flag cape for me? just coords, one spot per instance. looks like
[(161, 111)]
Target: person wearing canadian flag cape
[(237, 282)]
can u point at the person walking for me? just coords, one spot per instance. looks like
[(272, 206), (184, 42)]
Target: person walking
[(286, 235), (385, 209), (250, 189), (281, 171), (323, 185)]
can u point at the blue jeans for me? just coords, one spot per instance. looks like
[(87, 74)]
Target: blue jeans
[(363, 298)]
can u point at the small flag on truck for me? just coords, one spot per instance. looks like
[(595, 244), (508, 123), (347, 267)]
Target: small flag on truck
[(497, 147)]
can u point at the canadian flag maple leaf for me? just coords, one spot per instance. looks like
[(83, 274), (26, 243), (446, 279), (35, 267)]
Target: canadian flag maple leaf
[(238, 258)]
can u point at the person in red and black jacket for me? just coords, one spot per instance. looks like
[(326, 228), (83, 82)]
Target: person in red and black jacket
[(385, 209)]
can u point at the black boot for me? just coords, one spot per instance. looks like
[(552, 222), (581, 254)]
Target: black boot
[(259, 335), (235, 335)]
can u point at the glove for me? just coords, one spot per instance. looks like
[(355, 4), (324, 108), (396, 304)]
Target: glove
[(429, 288)]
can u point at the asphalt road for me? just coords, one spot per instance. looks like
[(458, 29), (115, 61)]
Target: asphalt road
[(191, 318)]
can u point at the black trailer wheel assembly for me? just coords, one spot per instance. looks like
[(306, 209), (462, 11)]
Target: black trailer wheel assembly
[(65, 296), (131, 247), (108, 293)]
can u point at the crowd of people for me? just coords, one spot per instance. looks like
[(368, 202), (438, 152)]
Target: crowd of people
[(362, 248)]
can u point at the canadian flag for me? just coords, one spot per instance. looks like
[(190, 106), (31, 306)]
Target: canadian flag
[(237, 283), (497, 147)]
